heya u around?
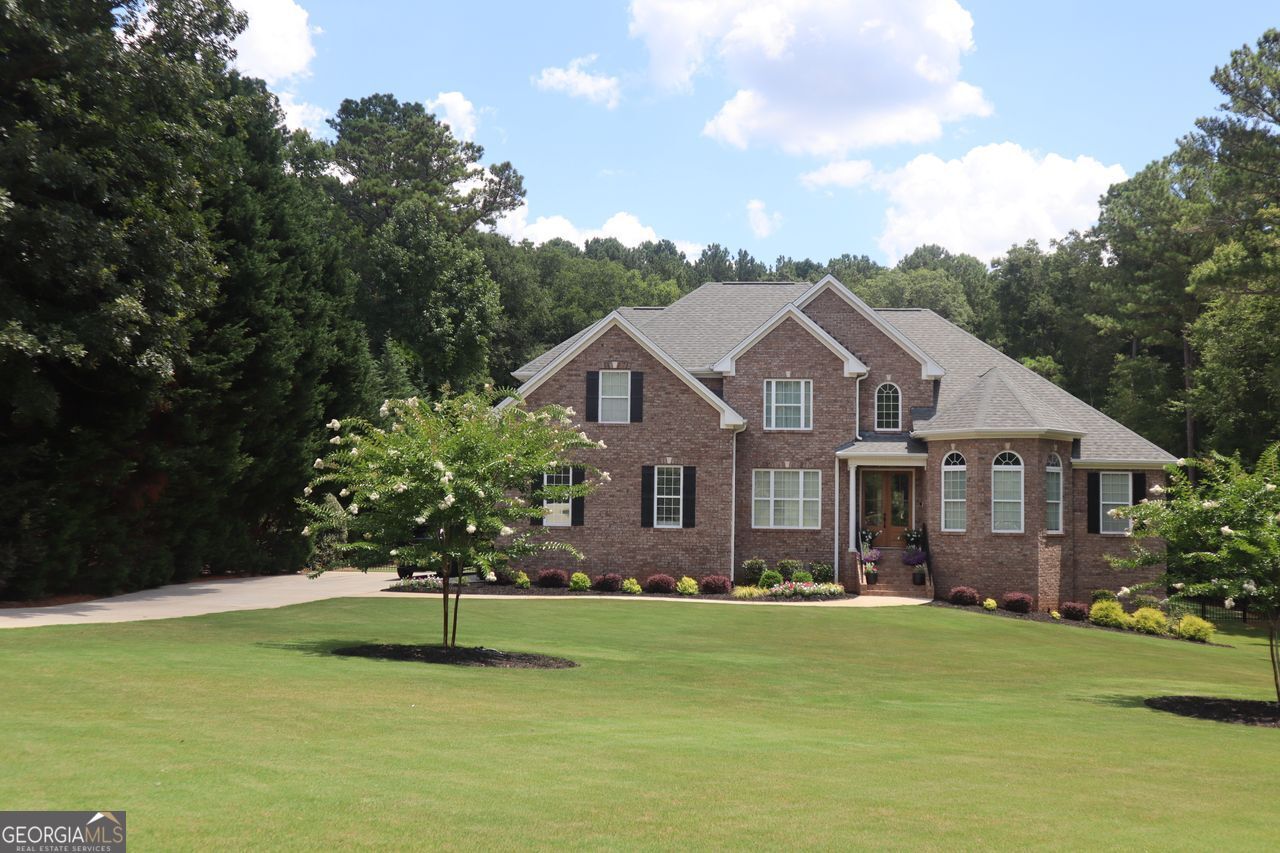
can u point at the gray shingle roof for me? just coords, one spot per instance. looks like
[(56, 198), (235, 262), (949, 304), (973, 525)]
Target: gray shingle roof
[(886, 445), (983, 388)]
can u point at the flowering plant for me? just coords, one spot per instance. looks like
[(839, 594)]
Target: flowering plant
[(914, 556), (805, 590)]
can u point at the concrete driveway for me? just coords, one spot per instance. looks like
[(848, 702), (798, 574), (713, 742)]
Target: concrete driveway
[(200, 597)]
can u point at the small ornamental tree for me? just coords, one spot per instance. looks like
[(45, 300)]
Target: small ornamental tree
[(1222, 535), (442, 485)]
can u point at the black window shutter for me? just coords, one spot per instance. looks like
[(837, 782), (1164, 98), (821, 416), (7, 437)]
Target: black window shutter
[(690, 495), (1139, 487), (1095, 503), (577, 508), (593, 396), (535, 498), (637, 396), (646, 496)]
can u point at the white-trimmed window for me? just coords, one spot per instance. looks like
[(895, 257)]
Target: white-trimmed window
[(955, 487), (615, 396), (558, 513), (1053, 494), (668, 496), (788, 404), (888, 408), (786, 498), (1115, 489), (1006, 493)]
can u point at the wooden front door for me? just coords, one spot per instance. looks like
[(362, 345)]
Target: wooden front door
[(886, 506)]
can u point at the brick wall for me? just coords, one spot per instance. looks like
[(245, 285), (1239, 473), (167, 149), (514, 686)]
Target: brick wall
[(1091, 570), (678, 425)]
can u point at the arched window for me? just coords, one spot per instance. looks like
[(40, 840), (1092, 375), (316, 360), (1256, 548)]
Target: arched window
[(888, 408), (1006, 493), (954, 489), (1053, 494)]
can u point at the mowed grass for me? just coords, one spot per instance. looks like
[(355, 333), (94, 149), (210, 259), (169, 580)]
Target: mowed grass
[(686, 726)]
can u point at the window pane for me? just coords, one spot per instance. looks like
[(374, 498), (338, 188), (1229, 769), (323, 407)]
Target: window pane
[(762, 484), (811, 512), (1053, 516), (557, 511), (1114, 488), (887, 403), (787, 417), (615, 410), (1006, 485), (1113, 525), (812, 484), (787, 392), (953, 515), (953, 485), (615, 383), (667, 486), (1006, 515), (786, 513), (808, 405), (760, 513), (786, 484)]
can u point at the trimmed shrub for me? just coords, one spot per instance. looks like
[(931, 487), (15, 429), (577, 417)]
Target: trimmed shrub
[(631, 586), (1140, 601), (1103, 595), (429, 583), (752, 570), (1109, 613), (687, 586), (715, 585), (1017, 602), (579, 582), (552, 579), (660, 584), (1194, 628), (770, 579), (608, 582), (801, 576), (1055, 615), (965, 595), (989, 604), (749, 592), (788, 568), (503, 575), (522, 581), (1075, 611), (1148, 620), (822, 572)]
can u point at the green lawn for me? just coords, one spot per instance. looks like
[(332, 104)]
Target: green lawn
[(685, 726)]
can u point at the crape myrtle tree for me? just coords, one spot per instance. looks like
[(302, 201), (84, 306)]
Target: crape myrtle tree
[(443, 485), (1222, 535)]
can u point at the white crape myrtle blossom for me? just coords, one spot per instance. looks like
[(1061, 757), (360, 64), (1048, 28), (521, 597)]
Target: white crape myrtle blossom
[(1157, 489), (395, 552), (471, 528), (355, 451), (344, 493), (439, 466), (306, 492), (1226, 530), (1270, 487), (373, 496), (401, 488), (1250, 587), (419, 519), (337, 439), (600, 444), (506, 531), (354, 509), (604, 476), (1229, 603), (1210, 504), (318, 464), (306, 531), (449, 500)]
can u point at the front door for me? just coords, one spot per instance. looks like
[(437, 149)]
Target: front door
[(886, 506)]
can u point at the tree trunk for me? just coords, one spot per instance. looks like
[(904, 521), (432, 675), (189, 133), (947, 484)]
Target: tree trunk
[(444, 597), (457, 599), (1188, 365), (1273, 637)]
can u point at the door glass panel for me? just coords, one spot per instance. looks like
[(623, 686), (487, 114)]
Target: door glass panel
[(873, 501), (900, 509)]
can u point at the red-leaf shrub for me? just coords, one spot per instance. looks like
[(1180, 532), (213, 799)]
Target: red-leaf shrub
[(1075, 611), (552, 579), (1017, 602), (608, 582), (966, 595), (714, 585), (660, 583)]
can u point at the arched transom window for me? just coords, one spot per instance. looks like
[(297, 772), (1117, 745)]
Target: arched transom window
[(1006, 493), (1053, 494), (888, 408), (954, 490)]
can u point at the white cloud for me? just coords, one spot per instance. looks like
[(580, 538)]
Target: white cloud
[(300, 115), (626, 227), (276, 46), (577, 82), (762, 222), (817, 76), (456, 111), (841, 173), (989, 199)]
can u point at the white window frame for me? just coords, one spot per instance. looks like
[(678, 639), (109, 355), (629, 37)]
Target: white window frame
[(1053, 465), (679, 496), (601, 397), (770, 406), (876, 407), (804, 474), (1022, 491), (1103, 506), (565, 472), (963, 501)]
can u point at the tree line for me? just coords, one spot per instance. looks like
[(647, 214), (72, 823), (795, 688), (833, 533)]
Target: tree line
[(190, 291)]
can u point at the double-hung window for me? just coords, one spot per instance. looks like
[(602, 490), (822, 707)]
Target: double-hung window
[(615, 396), (1053, 494), (668, 496), (1006, 493), (955, 487), (558, 512), (1115, 491), (788, 404), (786, 498)]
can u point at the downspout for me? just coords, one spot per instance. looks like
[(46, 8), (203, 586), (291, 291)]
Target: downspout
[(835, 521), (857, 408), (733, 502)]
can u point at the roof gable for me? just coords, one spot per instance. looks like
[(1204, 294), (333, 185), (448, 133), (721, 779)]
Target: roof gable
[(729, 362), (993, 404)]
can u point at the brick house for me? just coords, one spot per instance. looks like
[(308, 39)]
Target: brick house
[(780, 420)]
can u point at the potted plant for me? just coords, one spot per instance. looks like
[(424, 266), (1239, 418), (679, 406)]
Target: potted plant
[(870, 557), (915, 557)]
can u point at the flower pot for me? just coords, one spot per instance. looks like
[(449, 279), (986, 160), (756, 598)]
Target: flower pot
[(917, 577), (872, 577)]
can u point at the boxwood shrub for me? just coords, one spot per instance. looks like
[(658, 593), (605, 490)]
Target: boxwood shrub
[(1017, 602), (579, 582), (1194, 628), (788, 568), (822, 572), (770, 579), (687, 586), (660, 584), (801, 576), (1149, 620), (631, 586), (1103, 595), (751, 571), (965, 595), (521, 581), (552, 579), (1109, 613), (715, 585)]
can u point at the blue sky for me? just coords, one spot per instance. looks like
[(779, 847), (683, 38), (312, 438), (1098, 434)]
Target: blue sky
[(796, 127)]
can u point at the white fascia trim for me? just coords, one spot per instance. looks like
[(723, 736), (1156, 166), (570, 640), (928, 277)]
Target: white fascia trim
[(729, 419), (895, 460), (929, 369), (727, 365), (995, 432), (1120, 464)]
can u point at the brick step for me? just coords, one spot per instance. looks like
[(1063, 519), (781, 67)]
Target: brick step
[(909, 591)]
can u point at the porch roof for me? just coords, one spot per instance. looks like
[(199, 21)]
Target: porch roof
[(896, 449)]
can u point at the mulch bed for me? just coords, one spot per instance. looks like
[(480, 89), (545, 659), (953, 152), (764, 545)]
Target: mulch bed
[(1037, 616), (496, 589), (1245, 712), (457, 656)]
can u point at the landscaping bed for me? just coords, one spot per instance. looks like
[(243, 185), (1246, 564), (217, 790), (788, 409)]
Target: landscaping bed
[(1037, 616), (455, 656), (1245, 712), (495, 589)]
